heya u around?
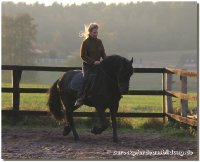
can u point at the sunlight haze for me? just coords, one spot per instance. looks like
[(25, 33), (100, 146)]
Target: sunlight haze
[(78, 2)]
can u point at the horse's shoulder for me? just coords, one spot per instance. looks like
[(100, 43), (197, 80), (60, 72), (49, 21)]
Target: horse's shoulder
[(69, 75)]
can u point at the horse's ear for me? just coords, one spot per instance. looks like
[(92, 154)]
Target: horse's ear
[(131, 61)]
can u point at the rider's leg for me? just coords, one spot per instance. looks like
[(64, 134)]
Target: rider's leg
[(83, 91), (87, 87)]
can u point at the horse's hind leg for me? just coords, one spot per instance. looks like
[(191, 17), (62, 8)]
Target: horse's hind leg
[(67, 128), (70, 119)]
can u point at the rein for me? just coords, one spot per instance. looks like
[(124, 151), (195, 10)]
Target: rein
[(115, 82)]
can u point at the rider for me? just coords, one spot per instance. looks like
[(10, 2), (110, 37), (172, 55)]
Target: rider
[(91, 52)]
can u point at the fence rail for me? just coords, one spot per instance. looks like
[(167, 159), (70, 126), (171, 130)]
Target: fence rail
[(165, 92)]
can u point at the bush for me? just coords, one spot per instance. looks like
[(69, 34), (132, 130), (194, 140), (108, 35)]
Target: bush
[(155, 124)]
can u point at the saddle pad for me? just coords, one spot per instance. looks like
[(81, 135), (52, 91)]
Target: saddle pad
[(77, 81)]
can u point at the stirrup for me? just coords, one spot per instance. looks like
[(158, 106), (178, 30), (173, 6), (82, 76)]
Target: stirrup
[(78, 102)]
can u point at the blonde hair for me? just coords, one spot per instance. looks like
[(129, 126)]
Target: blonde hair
[(88, 29)]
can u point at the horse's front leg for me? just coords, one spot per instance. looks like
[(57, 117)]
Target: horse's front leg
[(66, 130), (113, 115), (103, 123), (71, 122)]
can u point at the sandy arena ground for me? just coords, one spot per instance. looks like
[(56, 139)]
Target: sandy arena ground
[(49, 144)]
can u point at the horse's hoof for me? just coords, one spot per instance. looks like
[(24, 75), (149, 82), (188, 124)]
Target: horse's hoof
[(66, 130), (94, 130), (104, 127), (115, 140), (76, 138)]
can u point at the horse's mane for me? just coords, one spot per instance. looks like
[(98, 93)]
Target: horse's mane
[(112, 60), (113, 63)]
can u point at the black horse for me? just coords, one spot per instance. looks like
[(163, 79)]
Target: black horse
[(111, 82)]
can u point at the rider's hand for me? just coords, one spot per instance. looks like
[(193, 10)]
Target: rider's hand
[(97, 62)]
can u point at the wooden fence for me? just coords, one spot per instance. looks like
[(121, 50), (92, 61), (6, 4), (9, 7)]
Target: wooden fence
[(184, 97), (165, 92)]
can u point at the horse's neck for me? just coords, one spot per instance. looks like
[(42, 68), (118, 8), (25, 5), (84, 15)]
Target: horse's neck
[(107, 82), (111, 70), (109, 75)]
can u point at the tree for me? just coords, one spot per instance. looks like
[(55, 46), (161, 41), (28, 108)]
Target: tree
[(18, 35)]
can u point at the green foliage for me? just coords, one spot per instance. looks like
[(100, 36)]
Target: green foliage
[(18, 34), (149, 32), (177, 130), (154, 124), (125, 123), (124, 28), (192, 131)]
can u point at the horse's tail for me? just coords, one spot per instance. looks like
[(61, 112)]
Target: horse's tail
[(54, 102)]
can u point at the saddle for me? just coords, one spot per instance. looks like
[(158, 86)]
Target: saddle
[(77, 82), (88, 82)]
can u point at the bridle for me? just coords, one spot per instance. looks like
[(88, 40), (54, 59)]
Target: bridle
[(111, 79), (115, 82)]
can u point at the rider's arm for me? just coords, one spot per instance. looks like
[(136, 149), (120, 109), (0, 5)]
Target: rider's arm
[(84, 54), (103, 54)]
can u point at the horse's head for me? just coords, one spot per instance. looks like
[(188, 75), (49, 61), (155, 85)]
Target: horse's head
[(119, 70), (125, 72)]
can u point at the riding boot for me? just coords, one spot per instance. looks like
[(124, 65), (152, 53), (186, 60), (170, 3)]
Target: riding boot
[(87, 88), (79, 101), (82, 93)]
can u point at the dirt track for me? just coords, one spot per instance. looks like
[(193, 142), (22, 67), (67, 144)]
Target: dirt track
[(49, 144)]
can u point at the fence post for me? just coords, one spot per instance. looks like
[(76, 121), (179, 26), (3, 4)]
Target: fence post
[(163, 96), (16, 77), (169, 98), (184, 103)]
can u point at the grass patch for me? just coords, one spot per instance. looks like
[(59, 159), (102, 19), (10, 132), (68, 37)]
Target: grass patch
[(153, 124), (129, 103), (172, 129)]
